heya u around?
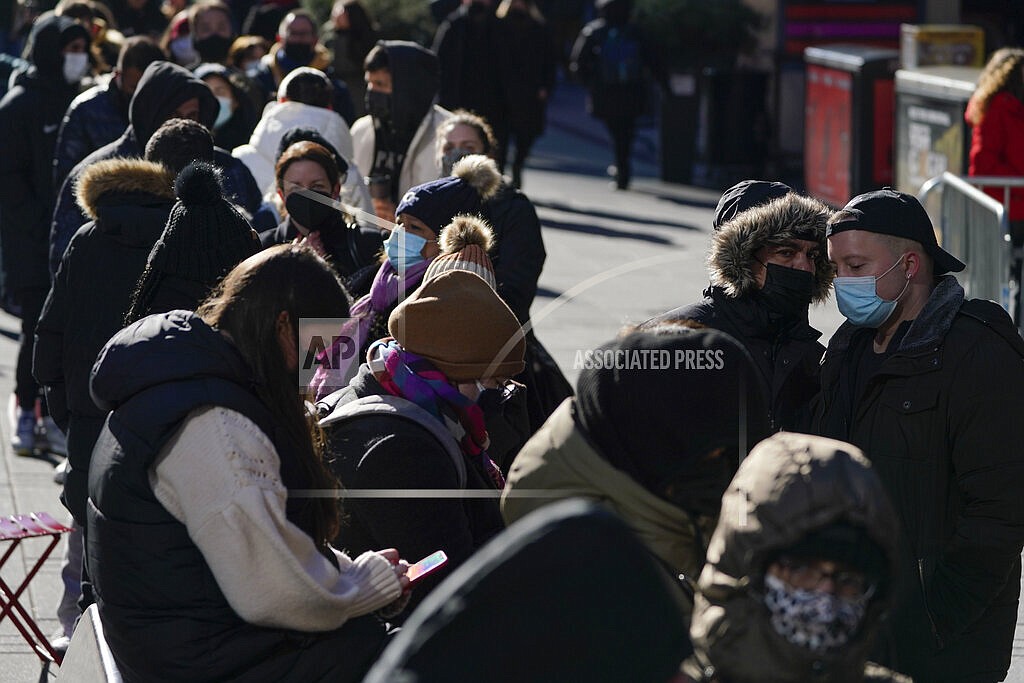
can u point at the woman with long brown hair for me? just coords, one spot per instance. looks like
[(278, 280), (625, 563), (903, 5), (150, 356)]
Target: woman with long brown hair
[(211, 510)]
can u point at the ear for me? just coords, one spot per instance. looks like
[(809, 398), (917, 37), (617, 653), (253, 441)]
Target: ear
[(913, 264), (336, 190)]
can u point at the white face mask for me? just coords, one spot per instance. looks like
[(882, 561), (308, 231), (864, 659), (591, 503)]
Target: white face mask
[(76, 65)]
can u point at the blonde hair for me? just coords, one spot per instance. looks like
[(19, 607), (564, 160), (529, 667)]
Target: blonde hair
[(998, 75), (531, 8)]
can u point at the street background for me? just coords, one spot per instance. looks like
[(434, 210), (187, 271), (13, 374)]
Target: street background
[(613, 258)]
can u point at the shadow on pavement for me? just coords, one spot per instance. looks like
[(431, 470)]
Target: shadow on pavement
[(625, 218), (603, 232)]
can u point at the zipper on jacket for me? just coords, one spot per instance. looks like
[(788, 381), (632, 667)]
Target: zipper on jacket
[(927, 609)]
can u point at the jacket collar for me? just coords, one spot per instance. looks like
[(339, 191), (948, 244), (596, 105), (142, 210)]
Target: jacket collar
[(750, 317)]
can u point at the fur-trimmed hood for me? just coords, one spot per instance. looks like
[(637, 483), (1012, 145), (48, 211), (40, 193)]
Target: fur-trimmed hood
[(122, 176), (733, 246)]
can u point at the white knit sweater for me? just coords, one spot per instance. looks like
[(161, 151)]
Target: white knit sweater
[(220, 477)]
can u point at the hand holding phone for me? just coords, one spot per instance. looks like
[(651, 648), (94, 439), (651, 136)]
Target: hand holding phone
[(427, 565)]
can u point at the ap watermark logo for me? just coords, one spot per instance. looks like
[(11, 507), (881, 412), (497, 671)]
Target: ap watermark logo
[(328, 351), (649, 359)]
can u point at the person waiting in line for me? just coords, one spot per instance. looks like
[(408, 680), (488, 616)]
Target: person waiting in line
[(394, 142), (450, 344), (412, 245), (800, 572), (657, 444), (205, 237), (768, 264), (350, 34), (208, 562), (351, 250)]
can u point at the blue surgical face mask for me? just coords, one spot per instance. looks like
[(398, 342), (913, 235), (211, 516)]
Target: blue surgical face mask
[(859, 301), (224, 113), (404, 249)]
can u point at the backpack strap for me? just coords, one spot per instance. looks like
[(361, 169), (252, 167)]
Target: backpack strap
[(342, 407), (992, 316)]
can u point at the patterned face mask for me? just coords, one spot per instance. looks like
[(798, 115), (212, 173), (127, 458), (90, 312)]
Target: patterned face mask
[(816, 620)]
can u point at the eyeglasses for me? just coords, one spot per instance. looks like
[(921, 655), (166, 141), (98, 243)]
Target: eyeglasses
[(811, 575)]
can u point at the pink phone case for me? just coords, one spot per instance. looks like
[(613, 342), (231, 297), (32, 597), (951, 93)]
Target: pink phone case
[(425, 566)]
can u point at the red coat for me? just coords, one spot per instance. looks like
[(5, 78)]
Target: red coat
[(997, 146)]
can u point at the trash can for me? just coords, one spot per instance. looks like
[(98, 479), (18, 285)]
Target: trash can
[(733, 130), (848, 129), (678, 123), (931, 135)]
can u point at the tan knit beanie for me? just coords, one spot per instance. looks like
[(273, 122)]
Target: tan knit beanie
[(457, 322), (464, 245)]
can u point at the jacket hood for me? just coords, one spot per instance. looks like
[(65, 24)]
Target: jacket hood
[(110, 177), (162, 89), (161, 349), (280, 117), (49, 35), (791, 217), (791, 485), (559, 458), (415, 79)]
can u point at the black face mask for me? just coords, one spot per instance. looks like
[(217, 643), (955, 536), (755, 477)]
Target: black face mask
[(213, 48), (507, 422), (787, 291), (301, 53), (308, 212), (378, 104)]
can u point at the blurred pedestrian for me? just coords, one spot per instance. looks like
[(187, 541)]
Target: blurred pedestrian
[(30, 116), (529, 62), (922, 380), (246, 53), (211, 28), (610, 58), (768, 264), (394, 142), (472, 74), (350, 35), (139, 17), (800, 572), (236, 114)]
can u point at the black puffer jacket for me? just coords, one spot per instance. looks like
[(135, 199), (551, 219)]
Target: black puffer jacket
[(128, 201), (518, 254), (162, 89), (788, 487), (939, 421), (30, 116)]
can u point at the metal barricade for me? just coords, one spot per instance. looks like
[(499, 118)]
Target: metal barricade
[(974, 227)]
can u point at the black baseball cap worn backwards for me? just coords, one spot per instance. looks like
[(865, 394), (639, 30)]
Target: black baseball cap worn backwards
[(888, 212)]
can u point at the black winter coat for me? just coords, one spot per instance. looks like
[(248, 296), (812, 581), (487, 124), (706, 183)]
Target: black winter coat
[(129, 201), (353, 251), (528, 56), (30, 116), (163, 88), (940, 421), (385, 452), (787, 357), (611, 100), (95, 118), (518, 254)]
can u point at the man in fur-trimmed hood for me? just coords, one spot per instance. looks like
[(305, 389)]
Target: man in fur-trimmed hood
[(768, 261)]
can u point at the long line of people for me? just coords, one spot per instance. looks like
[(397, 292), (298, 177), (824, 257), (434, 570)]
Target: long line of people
[(205, 487)]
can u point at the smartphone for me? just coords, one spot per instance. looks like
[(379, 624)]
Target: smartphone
[(425, 566)]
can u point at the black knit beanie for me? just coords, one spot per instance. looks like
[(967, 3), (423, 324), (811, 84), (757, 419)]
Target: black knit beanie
[(205, 236)]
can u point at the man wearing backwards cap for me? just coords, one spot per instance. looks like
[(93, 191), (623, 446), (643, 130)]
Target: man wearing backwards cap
[(924, 383)]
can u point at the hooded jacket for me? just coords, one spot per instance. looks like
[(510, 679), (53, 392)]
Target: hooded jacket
[(786, 352), (30, 116), (95, 118), (789, 486), (934, 421), (559, 458), (128, 201), (260, 153), (414, 90), (162, 89)]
